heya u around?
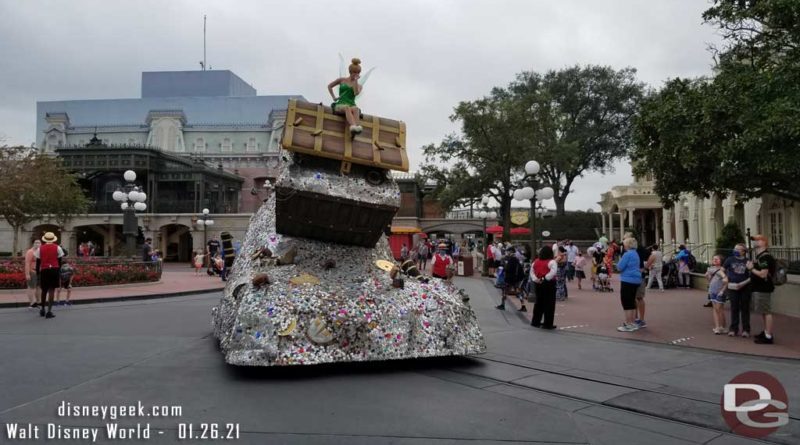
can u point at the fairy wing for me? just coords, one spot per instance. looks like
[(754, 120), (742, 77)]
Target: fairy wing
[(343, 73)]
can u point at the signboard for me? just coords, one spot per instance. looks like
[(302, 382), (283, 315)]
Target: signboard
[(546, 233), (519, 217)]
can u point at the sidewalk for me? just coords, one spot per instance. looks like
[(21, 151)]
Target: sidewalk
[(176, 279), (675, 316)]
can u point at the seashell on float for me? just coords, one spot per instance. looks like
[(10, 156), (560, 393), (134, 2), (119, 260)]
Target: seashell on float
[(289, 329), (318, 331)]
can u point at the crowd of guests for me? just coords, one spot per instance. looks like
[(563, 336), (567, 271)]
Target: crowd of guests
[(737, 279)]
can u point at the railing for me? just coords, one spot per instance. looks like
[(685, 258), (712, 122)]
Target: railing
[(169, 206), (789, 254)]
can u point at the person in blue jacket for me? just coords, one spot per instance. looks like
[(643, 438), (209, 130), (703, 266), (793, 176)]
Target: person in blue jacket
[(630, 276)]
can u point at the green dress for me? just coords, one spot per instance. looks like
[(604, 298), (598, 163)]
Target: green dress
[(347, 96)]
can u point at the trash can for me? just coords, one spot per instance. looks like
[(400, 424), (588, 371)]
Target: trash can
[(465, 266)]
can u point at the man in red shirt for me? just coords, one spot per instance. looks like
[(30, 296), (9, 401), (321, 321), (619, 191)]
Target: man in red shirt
[(441, 263), (48, 265)]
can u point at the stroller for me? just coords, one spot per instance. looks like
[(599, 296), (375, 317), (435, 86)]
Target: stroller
[(670, 274), (603, 283)]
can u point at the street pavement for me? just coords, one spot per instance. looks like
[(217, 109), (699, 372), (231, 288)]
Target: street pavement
[(532, 386)]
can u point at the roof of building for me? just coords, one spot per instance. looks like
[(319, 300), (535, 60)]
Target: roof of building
[(194, 83), (198, 110)]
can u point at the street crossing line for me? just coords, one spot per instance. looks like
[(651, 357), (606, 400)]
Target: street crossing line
[(680, 340), (573, 327)]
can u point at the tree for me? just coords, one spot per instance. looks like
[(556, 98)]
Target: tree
[(740, 130), (32, 186), (730, 236), (485, 159), (578, 120)]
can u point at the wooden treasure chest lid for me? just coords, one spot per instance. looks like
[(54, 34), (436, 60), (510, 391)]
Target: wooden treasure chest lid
[(313, 129)]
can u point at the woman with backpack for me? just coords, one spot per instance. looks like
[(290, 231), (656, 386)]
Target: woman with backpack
[(684, 258)]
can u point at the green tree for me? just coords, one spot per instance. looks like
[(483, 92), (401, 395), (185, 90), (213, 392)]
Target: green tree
[(485, 159), (730, 236), (577, 120), (740, 130), (33, 186)]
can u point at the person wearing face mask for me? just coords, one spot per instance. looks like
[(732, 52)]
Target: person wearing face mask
[(737, 283), (441, 262), (762, 269)]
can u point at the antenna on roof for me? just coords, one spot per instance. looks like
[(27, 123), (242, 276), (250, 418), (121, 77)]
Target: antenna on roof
[(203, 63)]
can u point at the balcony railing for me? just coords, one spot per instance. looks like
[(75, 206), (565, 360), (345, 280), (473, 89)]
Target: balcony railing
[(169, 206)]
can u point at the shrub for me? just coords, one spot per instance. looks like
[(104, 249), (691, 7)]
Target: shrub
[(88, 272), (730, 236)]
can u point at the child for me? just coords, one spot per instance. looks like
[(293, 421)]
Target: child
[(716, 293), (198, 262), (66, 274), (579, 263)]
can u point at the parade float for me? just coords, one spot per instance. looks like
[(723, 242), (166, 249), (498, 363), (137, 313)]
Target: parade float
[(314, 281)]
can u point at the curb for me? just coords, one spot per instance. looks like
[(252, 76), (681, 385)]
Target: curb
[(122, 298)]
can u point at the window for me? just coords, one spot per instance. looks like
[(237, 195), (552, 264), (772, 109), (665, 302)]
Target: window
[(131, 141), (251, 144), (226, 145), (776, 228), (199, 144)]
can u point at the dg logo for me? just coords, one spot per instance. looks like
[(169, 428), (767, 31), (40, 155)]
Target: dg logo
[(755, 404)]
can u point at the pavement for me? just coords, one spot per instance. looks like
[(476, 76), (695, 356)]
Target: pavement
[(675, 316), (176, 279), (532, 386)]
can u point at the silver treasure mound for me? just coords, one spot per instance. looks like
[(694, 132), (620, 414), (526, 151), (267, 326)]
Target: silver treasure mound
[(314, 281)]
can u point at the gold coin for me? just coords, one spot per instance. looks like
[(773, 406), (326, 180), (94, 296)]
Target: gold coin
[(385, 265)]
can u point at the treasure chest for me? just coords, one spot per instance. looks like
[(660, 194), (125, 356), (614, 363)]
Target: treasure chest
[(336, 219), (314, 130)]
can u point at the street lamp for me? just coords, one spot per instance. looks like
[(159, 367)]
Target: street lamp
[(484, 214), (132, 199), (205, 222), (535, 194)]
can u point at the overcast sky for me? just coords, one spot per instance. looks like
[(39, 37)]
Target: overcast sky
[(429, 54)]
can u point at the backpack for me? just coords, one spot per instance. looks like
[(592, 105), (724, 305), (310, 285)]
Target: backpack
[(691, 261), (778, 276)]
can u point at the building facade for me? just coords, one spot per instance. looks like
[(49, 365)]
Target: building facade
[(697, 222), (196, 139)]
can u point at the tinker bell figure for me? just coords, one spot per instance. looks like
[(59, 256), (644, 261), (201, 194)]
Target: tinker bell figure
[(349, 88)]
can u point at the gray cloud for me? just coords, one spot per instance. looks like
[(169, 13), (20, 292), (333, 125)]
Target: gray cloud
[(429, 54)]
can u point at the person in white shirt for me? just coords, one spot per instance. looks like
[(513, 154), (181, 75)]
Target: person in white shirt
[(497, 253), (572, 252), (655, 264)]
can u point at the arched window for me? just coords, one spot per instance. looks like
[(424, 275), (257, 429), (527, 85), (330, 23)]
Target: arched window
[(251, 144), (226, 145), (108, 190), (199, 144)]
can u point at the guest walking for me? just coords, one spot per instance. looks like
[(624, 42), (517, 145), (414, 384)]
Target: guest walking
[(543, 274), (630, 276), (561, 274)]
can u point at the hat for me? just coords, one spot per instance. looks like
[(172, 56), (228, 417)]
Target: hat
[(760, 237), (49, 237), (442, 246)]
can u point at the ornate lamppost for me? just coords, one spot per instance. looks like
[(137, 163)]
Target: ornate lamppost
[(205, 221), (132, 199), (535, 194)]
